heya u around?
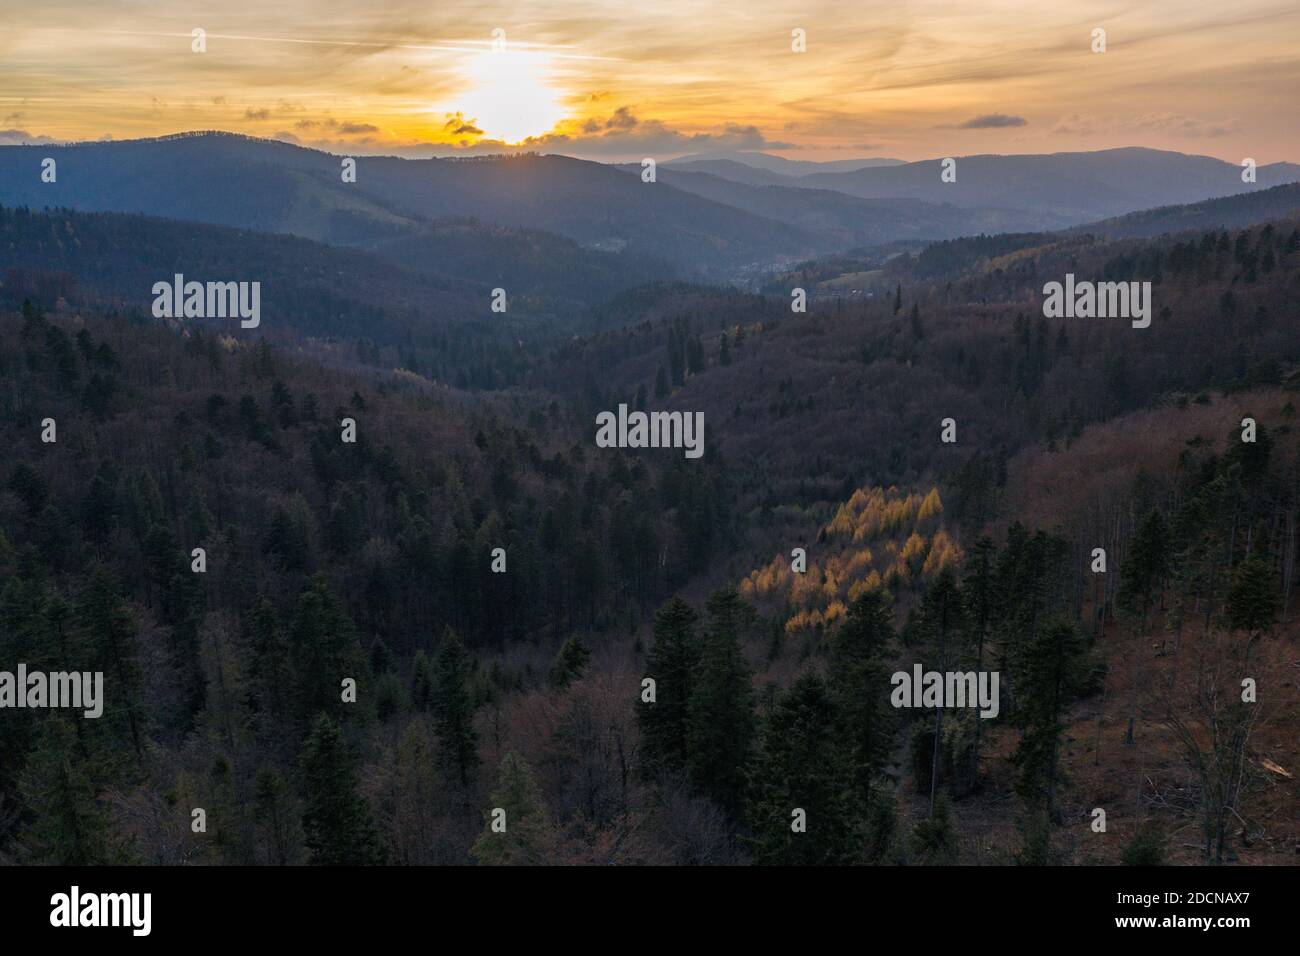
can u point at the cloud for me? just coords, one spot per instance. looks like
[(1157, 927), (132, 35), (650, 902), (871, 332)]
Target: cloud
[(281, 107), (623, 133), (1170, 124), (1179, 125), (335, 126), (457, 125), (1075, 125), (285, 136), (622, 119), (991, 121), (20, 137)]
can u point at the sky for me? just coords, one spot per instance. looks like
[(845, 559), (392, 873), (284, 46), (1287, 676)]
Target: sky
[(906, 79)]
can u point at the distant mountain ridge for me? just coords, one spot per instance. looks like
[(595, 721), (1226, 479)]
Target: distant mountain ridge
[(723, 216), (1229, 212), (851, 221), (780, 165), (231, 180), (1079, 186)]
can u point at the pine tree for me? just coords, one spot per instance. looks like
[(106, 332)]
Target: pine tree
[(859, 684), (66, 826), (336, 820), (273, 809), (801, 766), (661, 382), (720, 712), (32, 487), (28, 632), (1145, 566), (269, 664), (529, 839), (109, 631), (324, 649), (1027, 582), (979, 592), (34, 323), (421, 681), (695, 355), (1253, 597), (453, 709), (934, 839), (97, 510), (1053, 668), (941, 618), (1147, 847), (570, 662), (671, 663)]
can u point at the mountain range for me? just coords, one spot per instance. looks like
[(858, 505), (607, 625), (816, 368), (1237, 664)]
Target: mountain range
[(715, 216)]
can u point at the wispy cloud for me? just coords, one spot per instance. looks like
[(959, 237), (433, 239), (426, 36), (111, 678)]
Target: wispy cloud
[(989, 121), (910, 79)]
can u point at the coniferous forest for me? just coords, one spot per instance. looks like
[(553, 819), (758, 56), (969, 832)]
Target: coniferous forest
[(353, 651)]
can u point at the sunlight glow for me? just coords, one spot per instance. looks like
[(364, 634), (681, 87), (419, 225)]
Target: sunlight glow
[(510, 97)]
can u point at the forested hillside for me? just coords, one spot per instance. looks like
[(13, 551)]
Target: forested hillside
[(240, 181), (233, 525)]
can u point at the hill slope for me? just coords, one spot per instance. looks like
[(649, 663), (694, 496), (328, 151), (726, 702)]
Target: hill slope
[(275, 187)]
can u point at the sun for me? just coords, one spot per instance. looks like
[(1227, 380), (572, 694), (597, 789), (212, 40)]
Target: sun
[(511, 96)]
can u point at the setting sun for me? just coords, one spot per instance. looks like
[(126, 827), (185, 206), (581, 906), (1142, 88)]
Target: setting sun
[(510, 96)]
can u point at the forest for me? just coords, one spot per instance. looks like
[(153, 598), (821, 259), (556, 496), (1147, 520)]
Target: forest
[(359, 651)]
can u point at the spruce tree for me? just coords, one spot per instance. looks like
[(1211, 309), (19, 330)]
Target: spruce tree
[(801, 766), (324, 649), (108, 630), (570, 662), (528, 838), (859, 686), (979, 593), (1054, 667), (453, 709), (941, 618), (269, 664), (1145, 566), (274, 814), (720, 711), (336, 820), (1252, 597), (421, 681), (934, 839), (671, 663), (66, 827)]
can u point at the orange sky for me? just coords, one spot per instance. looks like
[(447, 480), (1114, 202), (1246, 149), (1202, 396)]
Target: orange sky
[(911, 79)]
